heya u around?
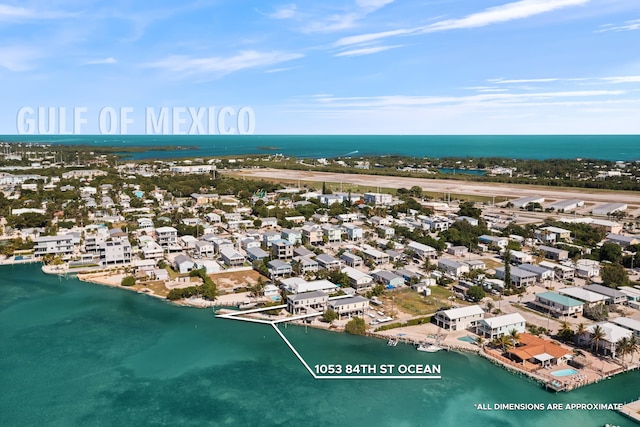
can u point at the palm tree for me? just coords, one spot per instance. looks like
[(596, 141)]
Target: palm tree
[(480, 342), (580, 331), (503, 341), (597, 334), (633, 345), (622, 347), (514, 336), (490, 306)]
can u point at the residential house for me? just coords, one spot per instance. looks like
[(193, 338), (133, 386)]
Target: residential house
[(203, 249), (453, 268), (328, 262), (357, 279), (297, 285), (557, 305), (183, 264), (279, 268), (613, 296), (293, 236), (231, 257), (353, 232), (167, 236), (305, 264), (115, 252), (307, 303), (312, 234), (388, 279), (612, 334), (422, 251), (375, 255), (498, 326), (332, 233), (541, 272), (349, 306), (256, 254), (590, 299), (268, 237), (55, 245), (519, 278), (624, 241), (554, 253), (587, 268), (458, 251), (282, 249), (461, 318), (352, 260), (498, 242)]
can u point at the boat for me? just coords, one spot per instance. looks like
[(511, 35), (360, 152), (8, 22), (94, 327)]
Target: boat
[(429, 348), (392, 342)]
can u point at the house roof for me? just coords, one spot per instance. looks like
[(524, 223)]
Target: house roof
[(456, 313), (628, 323), (505, 320), (559, 299), (307, 295), (532, 346), (612, 332), (582, 294), (346, 301)]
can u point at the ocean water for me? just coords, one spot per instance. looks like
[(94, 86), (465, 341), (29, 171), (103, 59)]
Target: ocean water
[(605, 147), (74, 353)]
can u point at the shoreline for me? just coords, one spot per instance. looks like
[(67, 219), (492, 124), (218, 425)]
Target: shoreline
[(405, 334)]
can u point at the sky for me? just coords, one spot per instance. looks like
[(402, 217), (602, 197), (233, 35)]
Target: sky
[(320, 67)]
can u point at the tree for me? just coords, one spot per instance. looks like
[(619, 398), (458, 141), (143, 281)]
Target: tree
[(622, 347), (611, 252), (565, 333), (329, 315), (614, 275), (356, 326), (507, 269), (128, 281), (514, 335), (476, 293), (597, 334), (468, 209)]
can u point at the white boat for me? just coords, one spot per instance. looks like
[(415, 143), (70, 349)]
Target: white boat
[(429, 348), (392, 342)]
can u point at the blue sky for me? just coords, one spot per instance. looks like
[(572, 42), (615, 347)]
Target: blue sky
[(345, 67)]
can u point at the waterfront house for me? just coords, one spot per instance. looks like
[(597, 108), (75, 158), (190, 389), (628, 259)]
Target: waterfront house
[(538, 351), (350, 306), (498, 326), (632, 324), (115, 252), (307, 303), (612, 334), (55, 245), (461, 318)]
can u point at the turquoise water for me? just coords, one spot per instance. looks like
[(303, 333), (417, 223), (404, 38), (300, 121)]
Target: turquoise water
[(74, 353), (467, 339), (462, 171), (607, 147), (564, 372)]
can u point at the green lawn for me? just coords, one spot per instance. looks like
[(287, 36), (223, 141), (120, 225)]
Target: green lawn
[(416, 304)]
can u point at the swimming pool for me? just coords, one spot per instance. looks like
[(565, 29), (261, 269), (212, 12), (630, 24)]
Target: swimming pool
[(467, 338), (564, 372)]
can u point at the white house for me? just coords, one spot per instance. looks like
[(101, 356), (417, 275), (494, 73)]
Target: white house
[(461, 318), (494, 327), (350, 306)]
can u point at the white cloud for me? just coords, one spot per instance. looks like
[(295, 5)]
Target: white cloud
[(367, 50), (512, 81), (373, 4), (622, 79), (18, 58), (494, 15), (508, 12), (627, 26), (11, 12), (281, 69), (109, 60), (332, 23), (223, 65), (286, 11), (366, 38)]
